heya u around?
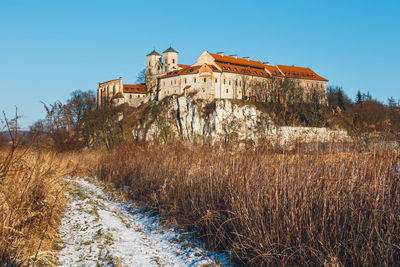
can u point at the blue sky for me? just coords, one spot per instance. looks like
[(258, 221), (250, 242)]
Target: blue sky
[(50, 48)]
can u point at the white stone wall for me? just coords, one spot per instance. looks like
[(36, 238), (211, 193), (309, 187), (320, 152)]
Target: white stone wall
[(289, 136)]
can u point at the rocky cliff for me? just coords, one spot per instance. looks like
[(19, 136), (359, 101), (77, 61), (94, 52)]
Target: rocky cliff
[(193, 120)]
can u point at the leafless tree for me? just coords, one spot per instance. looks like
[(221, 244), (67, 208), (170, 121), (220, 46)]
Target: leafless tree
[(245, 79), (284, 90), (141, 77)]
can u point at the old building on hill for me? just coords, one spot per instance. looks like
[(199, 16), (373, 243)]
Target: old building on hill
[(212, 76)]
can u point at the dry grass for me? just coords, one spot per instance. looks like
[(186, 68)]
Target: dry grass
[(271, 209), (32, 202)]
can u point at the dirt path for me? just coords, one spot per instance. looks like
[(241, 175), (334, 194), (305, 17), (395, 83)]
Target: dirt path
[(97, 231)]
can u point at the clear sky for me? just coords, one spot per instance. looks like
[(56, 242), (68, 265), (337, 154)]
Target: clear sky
[(50, 48)]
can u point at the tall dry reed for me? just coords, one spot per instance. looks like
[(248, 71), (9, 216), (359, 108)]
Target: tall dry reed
[(32, 202), (271, 209)]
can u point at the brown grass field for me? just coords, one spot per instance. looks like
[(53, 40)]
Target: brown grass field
[(32, 202), (270, 209), (267, 208)]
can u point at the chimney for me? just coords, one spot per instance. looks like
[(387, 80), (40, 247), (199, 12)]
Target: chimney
[(247, 58), (266, 63), (235, 56), (220, 54)]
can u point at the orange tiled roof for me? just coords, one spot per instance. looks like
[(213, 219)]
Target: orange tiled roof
[(243, 70), (273, 70), (187, 70), (300, 73), (249, 67), (183, 66), (135, 88), (236, 61)]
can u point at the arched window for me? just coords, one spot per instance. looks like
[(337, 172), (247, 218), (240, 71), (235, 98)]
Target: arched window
[(173, 61)]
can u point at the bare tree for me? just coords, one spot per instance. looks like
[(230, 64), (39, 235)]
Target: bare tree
[(284, 90), (245, 80), (261, 90), (141, 77)]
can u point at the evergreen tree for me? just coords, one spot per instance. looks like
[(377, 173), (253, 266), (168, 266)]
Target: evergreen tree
[(359, 97), (340, 99)]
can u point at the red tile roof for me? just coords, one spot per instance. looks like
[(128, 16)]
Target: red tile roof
[(273, 70), (183, 66), (300, 73), (248, 67), (187, 70), (135, 88), (243, 70), (236, 61)]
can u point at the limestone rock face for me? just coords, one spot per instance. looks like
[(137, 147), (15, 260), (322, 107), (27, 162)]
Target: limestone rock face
[(198, 121), (193, 120)]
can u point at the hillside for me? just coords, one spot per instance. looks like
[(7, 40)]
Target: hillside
[(221, 121)]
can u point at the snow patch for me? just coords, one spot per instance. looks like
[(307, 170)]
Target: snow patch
[(99, 231)]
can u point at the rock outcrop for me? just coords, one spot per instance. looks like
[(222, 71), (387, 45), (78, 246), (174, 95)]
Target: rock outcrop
[(193, 120)]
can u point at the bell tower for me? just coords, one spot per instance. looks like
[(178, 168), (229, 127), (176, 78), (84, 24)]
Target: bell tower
[(153, 70), (170, 57), (154, 64)]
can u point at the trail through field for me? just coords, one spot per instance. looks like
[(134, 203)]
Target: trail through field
[(100, 231)]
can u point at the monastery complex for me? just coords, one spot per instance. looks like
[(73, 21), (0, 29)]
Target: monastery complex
[(212, 76)]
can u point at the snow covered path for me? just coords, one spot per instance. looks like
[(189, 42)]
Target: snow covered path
[(97, 231)]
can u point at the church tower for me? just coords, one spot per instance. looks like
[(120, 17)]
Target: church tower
[(153, 70), (170, 57), (154, 64)]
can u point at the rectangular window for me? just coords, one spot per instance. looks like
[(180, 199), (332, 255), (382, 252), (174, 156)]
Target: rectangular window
[(227, 90), (216, 80), (224, 81), (205, 79), (185, 80), (194, 80)]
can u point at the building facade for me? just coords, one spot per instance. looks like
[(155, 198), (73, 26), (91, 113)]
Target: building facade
[(213, 76)]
